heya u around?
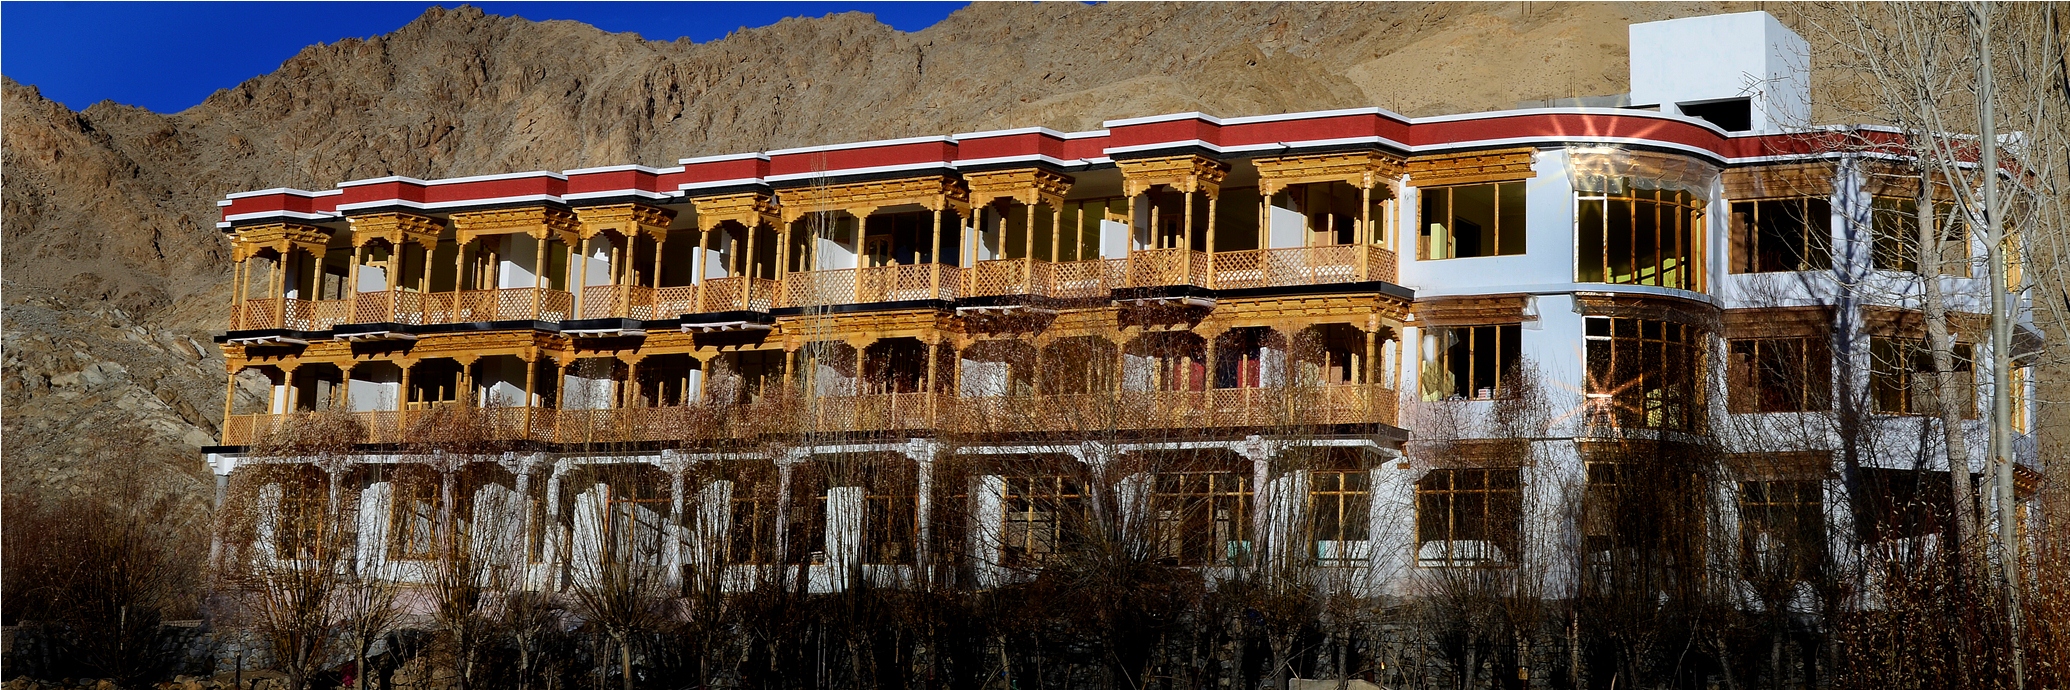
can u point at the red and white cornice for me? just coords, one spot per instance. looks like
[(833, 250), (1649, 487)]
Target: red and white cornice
[(1236, 136)]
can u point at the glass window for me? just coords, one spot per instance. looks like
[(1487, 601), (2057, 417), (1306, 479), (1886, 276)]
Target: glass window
[(1901, 380), (1337, 518), (1201, 518), (1469, 362), (889, 528), (1644, 373), (412, 519), (1780, 375), (1640, 237), (639, 514), (1472, 220), (1467, 516), (1040, 512), (751, 533), (1770, 235), (1782, 526), (1896, 224), (304, 527)]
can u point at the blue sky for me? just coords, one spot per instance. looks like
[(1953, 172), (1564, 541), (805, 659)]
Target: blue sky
[(167, 56)]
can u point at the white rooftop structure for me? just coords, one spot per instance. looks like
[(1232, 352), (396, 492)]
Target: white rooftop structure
[(1743, 72)]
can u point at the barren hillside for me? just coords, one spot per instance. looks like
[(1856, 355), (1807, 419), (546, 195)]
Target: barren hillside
[(115, 275)]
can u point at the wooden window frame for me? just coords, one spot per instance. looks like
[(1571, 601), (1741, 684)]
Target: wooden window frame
[(1610, 378), (1893, 223), (1439, 512), (1447, 196), (303, 518), (1677, 245), (1037, 518), (1813, 252), (1338, 505), (1442, 364), (1180, 515), (405, 543), (628, 535), (1765, 505), (1748, 370), (1895, 366)]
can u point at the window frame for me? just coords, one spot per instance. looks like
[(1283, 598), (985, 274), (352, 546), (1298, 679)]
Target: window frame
[(1492, 526), (1065, 498), (1689, 235), (1746, 237), (1747, 372), (1954, 233), (1886, 350), (1180, 515), (1350, 507), (405, 544), (1762, 507), (1686, 373), (1441, 364), (303, 519), (1498, 190)]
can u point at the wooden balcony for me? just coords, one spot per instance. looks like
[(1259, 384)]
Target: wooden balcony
[(1177, 412), (719, 295), (1167, 267), (1299, 266), (402, 307), (1003, 277), (1073, 280), (293, 314), (896, 283)]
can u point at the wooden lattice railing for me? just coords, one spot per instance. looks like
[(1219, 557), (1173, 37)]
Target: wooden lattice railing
[(878, 284), (738, 293), (1162, 267), (819, 288), (1302, 266), (1089, 279), (617, 301), (907, 282), (1284, 408), (1009, 277)]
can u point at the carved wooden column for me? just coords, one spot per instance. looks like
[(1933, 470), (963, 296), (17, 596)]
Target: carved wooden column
[(1056, 231), (1365, 234), (697, 261), (933, 354), (754, 267), (654, 279), (934, 257), (403, 392), (287, 376), (1372, 351)]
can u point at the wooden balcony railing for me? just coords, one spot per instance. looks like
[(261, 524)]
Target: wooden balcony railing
[(738, 293), (403, 307), (1089, 279), (301, 315), (1092, 279), (617, 301), (906, 282), (874, 284), (1000, 277), (819, 288), (1178, 411), (1163, 267), (1302, 266)]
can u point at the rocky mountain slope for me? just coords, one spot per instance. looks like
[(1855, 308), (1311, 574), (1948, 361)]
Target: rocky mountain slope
[(115, 276)]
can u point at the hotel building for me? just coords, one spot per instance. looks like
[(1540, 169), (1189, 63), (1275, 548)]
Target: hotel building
[(1690, 270)]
